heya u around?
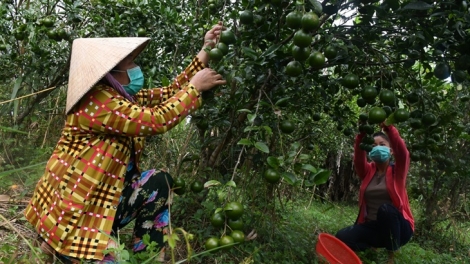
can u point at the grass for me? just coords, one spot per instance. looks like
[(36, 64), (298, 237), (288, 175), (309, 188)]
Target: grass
[(291, 238)]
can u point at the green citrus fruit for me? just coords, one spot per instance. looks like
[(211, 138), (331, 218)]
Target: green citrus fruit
[(412, 98), (246, 17), (442, 71), (47, 22), (179, 185), (238, 236), (310, 146), (330, 52), (347, 132), (19, 35), (216, 54), (387, 97), (302, 39), (415, 123), (299, 53), (62, 34), (368, 129), (141, 32), (388, 110), (226, 241), (222, 47), (294, 69), (459, 76), (377, 115), (368, 140), (211, 243), (310, 21), (197, 187), (428, 119), (271, 176), (217, 219), (235, 224), (316, 60), (52, 34), (351, 81), (227, 37), (316, 117), (365, 147), (287, 126), (363, 117), (361, 102), (3, 47), (369, 93), (294, 20), (234, 210), (401, 115)]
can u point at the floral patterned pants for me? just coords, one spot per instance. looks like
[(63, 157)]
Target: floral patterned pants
[(145, 199)]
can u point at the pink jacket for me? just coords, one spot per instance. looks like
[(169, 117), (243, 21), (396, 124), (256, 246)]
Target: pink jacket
[(395, 177)]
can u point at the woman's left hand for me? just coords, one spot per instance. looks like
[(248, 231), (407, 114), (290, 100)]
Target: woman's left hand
[(211, 37)]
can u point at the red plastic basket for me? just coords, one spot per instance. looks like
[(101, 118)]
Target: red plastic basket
[(334, 251)]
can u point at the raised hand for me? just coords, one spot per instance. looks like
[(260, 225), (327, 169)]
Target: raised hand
[(207, 79)]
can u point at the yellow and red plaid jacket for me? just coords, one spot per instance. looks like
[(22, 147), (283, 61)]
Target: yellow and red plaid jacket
[(74, 203)]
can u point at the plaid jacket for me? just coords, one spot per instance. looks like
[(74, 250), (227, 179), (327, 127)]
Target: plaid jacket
[(74, 203)]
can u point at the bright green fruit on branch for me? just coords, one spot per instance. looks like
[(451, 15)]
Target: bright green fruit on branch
[(330, 52), (238, 236), (235, 224), (227, 37), (316, 60), (197, 186), (226, 241), (299, 53), (3, 47), (216, 54), (302, 39), (222, 47), (217, 220), (271, 176), (141, 32), (412, 98), (234, 210), (428, 119), (377, 115), (442, 71), (351, 81), (178, 186), (246, 17), (369, 93), (401, 115), (387, 97), (287, 127), (294, 20), (211, 243), (310, 22), (294, 69)]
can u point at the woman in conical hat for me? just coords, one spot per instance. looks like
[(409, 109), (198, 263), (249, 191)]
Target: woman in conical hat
[(93, 185)]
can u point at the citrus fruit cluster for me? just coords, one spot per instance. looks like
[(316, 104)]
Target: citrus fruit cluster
[(230, 217), (179, 186), (221, 49), (304, 24)]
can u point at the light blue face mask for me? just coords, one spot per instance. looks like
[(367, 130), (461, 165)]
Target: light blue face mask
[(380, 154), (136, 83)]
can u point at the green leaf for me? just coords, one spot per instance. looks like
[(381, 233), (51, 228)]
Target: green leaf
[(321, 177), (390, 120), (262, 146), (290, 178), (219, 209), (271, 50), (165, 81), (273, 162), (251, 129), (309, 168), (249, 52), (6, 173), (251, 118), (231, 183), (9, 129), (244, 110), (282, 101), (245, 141), (211, 183)]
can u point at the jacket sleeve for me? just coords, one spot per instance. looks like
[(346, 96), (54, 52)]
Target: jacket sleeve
[(154, 96), (400, 152), (360, 160), (103, 110)]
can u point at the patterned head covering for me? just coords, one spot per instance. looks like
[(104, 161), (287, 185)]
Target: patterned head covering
[(93, 58)]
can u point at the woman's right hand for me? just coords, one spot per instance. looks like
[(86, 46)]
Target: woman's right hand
[(207, 79)]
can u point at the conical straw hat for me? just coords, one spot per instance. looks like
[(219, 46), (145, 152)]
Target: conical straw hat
[(92, 58)]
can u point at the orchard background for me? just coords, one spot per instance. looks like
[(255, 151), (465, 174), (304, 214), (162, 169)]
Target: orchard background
[(277, 139)]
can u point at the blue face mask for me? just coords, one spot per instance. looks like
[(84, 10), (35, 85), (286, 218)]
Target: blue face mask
[(380, 154), (136, 81)]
